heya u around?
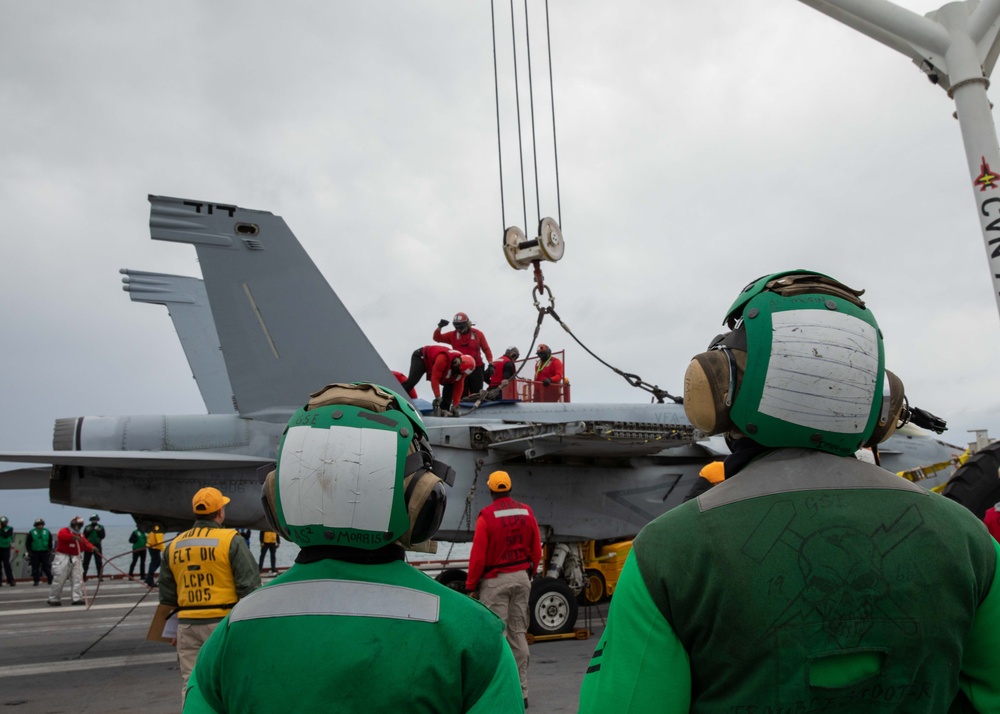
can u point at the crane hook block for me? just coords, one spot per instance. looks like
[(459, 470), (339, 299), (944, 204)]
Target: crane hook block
[(521, 252)]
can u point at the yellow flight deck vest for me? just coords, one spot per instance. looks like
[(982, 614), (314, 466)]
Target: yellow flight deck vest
[(270, 537), (199, 561)]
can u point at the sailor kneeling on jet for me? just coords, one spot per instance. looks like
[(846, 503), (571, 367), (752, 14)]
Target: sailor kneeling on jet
[(444, 368), (70, 543), (836, 586), (351, 627)]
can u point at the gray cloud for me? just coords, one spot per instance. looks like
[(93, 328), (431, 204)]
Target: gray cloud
[(700, 146)]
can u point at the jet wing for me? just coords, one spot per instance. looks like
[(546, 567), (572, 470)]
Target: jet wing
[(135, 459)]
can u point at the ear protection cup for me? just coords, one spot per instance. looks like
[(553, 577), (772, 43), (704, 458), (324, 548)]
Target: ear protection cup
[(424, 495), (425, 503), (892, 408), (269, 500), (711, 383)]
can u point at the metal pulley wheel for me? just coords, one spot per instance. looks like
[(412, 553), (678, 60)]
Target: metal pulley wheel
[(522, 252), (550, 240), (513, 239)]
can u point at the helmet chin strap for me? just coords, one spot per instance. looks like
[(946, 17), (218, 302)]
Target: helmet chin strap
[(732, 372)]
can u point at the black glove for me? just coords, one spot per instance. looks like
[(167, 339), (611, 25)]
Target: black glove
[(546, 381), (453, 412), (442, 323), (436, 404), (488, 372)]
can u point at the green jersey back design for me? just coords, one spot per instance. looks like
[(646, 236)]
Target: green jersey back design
[(830, 599)]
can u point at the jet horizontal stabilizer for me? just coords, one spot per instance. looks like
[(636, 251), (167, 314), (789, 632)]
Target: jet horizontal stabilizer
[(16, 479)]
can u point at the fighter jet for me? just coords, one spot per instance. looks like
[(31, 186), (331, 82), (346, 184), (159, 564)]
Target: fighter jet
[(590, 471)]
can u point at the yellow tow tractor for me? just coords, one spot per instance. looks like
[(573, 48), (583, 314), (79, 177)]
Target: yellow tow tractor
[(602, 566)]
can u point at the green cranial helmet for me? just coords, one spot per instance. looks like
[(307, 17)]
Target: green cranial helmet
[(355, 469), (815, 364)]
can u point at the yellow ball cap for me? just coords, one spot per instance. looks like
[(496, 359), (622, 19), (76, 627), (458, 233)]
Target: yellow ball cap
[(499, 481), (208, 500)]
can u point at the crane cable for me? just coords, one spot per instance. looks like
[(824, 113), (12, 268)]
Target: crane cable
[(496, 94), (633, 379), (552, 103), (467, 511), (660, 395), (517, 97)]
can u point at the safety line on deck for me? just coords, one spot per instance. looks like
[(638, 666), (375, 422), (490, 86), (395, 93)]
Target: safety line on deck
[(83, 664)]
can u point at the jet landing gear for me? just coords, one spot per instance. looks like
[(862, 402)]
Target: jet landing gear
[(552, 607), (570, 572), (453, 578)]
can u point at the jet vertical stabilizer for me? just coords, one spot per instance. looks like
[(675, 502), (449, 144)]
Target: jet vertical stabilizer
[(283, 330), (187, 304)]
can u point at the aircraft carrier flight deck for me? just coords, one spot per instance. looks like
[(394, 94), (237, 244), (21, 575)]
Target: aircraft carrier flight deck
[(97, 660)]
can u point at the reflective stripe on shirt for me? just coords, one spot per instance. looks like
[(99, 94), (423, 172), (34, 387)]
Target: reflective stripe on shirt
[(192, 542), (511, 512), (338, 597)]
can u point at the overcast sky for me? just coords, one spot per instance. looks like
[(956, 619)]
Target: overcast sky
[(700, 146)]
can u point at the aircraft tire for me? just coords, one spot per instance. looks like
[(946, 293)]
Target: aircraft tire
[(975, 484), (453, 578), (552, 607)]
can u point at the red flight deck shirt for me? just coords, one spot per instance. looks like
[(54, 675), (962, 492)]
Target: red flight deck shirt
[(506, 541)]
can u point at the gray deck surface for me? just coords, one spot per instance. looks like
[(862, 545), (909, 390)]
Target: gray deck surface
[(74, 660)]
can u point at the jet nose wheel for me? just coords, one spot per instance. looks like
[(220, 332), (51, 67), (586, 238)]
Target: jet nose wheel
[(453, 578), (552, 607)]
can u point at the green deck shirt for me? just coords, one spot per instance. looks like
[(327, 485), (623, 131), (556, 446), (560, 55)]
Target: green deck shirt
[(348, 637), (805, 583), (140, 540)]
